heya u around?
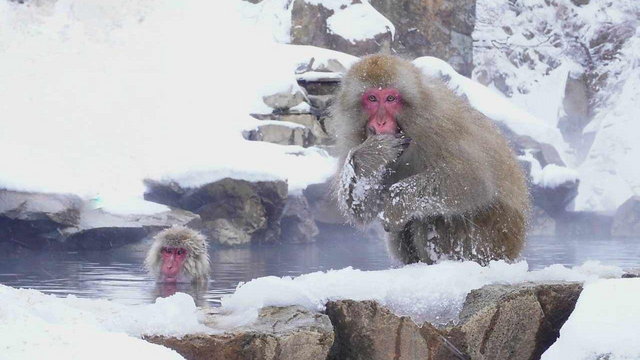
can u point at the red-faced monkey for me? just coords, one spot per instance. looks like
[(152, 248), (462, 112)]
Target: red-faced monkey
[(436, 172), (178, 254)]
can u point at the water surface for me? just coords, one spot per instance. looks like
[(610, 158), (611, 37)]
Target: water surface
[(118, 274)]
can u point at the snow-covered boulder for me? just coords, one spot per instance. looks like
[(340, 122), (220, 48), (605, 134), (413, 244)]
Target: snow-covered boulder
[(282, 133), (66, 222), (353, 27), (284, 333)]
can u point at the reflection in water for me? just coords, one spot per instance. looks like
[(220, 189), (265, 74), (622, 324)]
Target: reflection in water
[(119, 274)]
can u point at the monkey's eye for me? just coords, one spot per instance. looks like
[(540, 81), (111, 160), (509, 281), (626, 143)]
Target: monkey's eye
[(391, 98), (372, 98), (166, 250), (181, 251)]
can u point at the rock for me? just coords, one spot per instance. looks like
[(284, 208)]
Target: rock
[(297, 223), (101, 230), (554, 200), (497, 322), (309, 121), (513, 321), (50, 210), (309, 27), (251, 210), (541, 224), (583, 224), (284, 100), (626, 221), (435, 28), (322, 205), (66, 222), (282, 134), (365, 330), (225, 232), (577, 114), (278, 334)]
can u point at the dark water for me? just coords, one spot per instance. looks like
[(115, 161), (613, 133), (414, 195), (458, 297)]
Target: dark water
[(118, 274)]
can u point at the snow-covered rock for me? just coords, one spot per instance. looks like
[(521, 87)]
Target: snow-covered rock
[(62, 221), (575, 65)]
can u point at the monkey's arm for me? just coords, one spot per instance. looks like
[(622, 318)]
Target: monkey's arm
[(426, 194), (360, 182)]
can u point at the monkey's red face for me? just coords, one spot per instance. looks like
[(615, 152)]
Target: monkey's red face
[(382, 106), (172, 260)]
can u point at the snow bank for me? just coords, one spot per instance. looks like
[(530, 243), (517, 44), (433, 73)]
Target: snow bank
[(96, 97), (604, 324), (33, 325), (493, 104), (425, 292)]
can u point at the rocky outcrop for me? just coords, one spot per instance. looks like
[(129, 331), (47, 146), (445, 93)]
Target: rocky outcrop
[(436, 28), (433, 28), (66, 222), (278, 334), (496, 322), (232, 212), (626, 221)]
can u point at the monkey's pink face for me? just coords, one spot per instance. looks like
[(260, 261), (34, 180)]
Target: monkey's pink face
[(172, 260), (382, 106)]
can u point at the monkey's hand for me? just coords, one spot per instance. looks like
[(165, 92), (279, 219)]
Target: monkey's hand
[(372, 158), (361, 179)]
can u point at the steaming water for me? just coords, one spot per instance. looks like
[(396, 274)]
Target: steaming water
[(118, 274)]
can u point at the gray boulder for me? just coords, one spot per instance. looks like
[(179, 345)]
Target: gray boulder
[(297, 223), (231, 211), (626, 221)]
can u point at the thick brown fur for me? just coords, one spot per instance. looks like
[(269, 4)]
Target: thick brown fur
[(456, 192), (196, 266)]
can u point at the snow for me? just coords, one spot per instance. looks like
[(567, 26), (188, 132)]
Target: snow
[(425, 292), (493, 104), (604, 324), (33, 324), (96, 97), (527, 49), (551, 176), (359, 22)]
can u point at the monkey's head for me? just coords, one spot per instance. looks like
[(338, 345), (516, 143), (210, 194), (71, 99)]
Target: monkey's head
[(178, 254), (376, 95)]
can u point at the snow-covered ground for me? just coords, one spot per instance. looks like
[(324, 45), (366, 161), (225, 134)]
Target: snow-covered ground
[(34, 326), (604, 324), (32, 323), (97, 96)]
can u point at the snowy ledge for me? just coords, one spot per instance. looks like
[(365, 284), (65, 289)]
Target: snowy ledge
[(309, 316)]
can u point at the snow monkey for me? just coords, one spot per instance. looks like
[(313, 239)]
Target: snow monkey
[(436, 172), (178, 254)]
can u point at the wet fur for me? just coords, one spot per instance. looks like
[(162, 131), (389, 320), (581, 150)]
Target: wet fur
[(196, 266), (457, 191)]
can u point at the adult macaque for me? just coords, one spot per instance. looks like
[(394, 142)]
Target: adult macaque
[(178, 254), (436, 172)]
